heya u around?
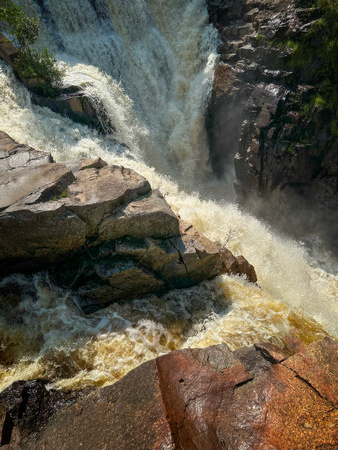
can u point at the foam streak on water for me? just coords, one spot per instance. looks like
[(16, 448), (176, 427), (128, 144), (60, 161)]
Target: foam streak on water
[(150, 67)]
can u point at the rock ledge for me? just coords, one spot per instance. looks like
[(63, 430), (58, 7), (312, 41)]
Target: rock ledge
[(258, 397), (100, 230)]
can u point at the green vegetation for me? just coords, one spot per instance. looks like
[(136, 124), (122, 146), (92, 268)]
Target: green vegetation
[(291, 149), (261, 39), (315, 56), (30, 62), (63, 195)]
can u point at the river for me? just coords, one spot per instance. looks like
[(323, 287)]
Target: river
[(149, 66)]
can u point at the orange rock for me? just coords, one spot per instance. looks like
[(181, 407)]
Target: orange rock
[(204, 399)]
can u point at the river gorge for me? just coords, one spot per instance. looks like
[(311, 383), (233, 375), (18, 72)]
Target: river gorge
[(149, 66)]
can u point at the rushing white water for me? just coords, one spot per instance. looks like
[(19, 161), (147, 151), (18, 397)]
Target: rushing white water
[(150, 65)]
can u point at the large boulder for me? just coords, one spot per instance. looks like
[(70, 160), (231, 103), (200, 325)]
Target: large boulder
[(129, 267), (259, 397), (101, 230), (75, 104)]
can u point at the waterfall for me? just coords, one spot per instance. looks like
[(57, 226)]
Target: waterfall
[(150, 65)]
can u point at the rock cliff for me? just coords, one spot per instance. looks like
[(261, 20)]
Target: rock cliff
[(259, 397), (100, 230), (285, 156)]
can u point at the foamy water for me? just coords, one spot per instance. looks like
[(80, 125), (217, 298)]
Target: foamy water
[(155, 96)]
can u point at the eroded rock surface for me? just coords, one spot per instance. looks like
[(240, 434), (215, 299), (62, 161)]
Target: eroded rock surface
[(285, 160), (100, 230), (259, 397)]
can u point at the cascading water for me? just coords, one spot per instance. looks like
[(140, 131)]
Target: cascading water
[(150, 65)]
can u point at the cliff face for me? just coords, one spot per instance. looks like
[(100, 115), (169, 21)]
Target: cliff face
[(266, 110)]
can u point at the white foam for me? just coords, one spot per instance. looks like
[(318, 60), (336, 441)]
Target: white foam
[(151, 67)]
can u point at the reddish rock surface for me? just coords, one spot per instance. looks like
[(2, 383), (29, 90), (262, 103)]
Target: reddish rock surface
[(237, 265), (258, 398)]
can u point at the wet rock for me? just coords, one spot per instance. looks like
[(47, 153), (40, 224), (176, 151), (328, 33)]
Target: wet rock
[(237, 265), (26, 406), (129, 267), (208, 398), (70, 101), (117, 278), (13, 289), (100, 230), (257, 98), (225, 116)]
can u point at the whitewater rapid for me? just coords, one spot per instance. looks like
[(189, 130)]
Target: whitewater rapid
[(151, 67), (148, 64)]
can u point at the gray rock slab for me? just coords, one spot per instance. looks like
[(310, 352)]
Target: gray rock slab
[(199, 255), (75, 165), (14, 155), (148, 216), (126, 277), (32, 184), (98, 192), (41, 232)]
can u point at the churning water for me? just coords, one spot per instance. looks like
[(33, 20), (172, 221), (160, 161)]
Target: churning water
[(149, 65)]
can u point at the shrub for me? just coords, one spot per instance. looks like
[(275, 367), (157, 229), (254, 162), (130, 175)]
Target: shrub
[(315, 55), (30, 62)]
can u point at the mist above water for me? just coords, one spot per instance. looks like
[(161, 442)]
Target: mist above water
[(150, 66)]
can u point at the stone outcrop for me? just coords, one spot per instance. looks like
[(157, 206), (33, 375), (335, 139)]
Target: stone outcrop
[(237, 265), (259, 397), (285, 161), (26, 406), (67, 101), (100, 230)]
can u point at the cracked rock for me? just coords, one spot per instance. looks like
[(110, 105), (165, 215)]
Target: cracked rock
[(202, 399), (100, 230)]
